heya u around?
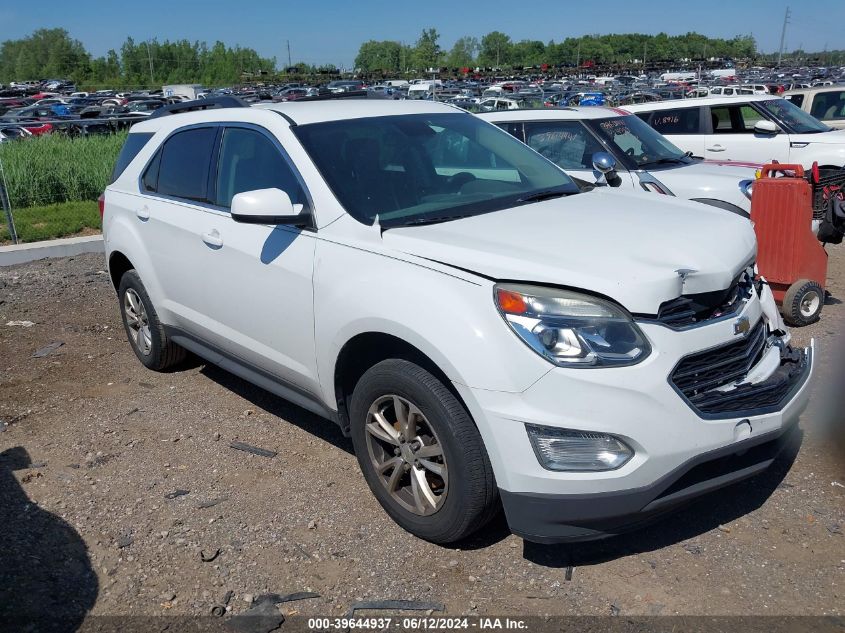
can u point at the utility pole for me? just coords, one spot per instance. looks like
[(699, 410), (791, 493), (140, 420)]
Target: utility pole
[(289, 62), (578, 55), (645, 50), (150, 58), (783, 35)]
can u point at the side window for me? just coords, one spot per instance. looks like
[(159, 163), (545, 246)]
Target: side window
[(184, 161), (568, 144), (797, 100), (734, 119), (676, 121), (249, 161), (514, 129), (151, 174)]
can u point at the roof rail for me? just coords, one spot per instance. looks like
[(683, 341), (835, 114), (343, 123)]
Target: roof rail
[(200, 104)]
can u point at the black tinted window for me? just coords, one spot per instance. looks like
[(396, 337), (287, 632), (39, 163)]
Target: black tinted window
[(677, 121), (185, 158), (151, 174), (134, 144), (250, 161)]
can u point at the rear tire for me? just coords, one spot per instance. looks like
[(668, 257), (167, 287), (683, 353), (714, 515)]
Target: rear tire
[(145, 332), (455, 493), (803, 303)]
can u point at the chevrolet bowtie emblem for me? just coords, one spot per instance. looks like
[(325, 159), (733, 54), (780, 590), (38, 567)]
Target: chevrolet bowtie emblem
[(742, 326)]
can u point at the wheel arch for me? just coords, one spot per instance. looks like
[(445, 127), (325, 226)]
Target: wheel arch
[(118, 264), (366, 349)]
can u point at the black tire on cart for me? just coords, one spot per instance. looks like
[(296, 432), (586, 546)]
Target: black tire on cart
[(803, 303)]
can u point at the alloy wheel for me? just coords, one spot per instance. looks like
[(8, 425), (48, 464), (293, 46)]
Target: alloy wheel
[(407, 455), (137, 322)]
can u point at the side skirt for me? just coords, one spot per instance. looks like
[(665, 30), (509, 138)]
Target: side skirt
[(252, 374)]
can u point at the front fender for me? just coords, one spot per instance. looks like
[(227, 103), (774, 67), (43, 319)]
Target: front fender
[(451, 320)]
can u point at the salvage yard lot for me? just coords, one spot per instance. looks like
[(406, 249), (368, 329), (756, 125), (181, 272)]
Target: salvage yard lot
[(110, 442)]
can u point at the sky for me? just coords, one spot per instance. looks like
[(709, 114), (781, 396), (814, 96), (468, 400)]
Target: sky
[(330, 31)]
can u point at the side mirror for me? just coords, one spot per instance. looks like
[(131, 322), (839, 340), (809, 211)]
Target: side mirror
[(267, 206), (604, 163), (767, 127)]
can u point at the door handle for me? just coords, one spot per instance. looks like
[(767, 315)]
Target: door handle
[(212, 238), (716, 148), (143, 213)]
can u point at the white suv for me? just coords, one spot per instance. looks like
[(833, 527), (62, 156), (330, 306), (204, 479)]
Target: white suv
[(756, 129), (486, 332), (578, 140)]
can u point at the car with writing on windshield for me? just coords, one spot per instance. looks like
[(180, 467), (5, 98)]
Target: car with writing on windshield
[(611, 146), (490, 333)]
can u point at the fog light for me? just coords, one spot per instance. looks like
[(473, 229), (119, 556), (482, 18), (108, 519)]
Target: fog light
[(577, 451)]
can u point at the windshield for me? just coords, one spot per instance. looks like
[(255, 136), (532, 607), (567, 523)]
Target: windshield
[(793, 117), (639, 144), (414, 169)]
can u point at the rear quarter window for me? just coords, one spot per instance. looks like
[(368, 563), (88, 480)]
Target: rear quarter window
[(134, 143)]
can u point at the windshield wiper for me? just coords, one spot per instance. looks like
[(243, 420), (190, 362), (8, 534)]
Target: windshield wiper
[(424, 221), (669, 160), (548, 194)]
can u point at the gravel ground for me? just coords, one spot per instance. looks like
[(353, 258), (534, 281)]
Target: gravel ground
[(95, 447)]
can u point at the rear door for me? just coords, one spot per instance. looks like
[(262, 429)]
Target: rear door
[(175, 199), (732, 136), (683, 126)]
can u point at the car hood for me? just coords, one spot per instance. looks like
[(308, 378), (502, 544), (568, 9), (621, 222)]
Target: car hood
[(734, 169), (833, 137), (626, 246)]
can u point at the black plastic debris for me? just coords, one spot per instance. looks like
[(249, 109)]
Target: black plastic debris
[(275, 598), (569, 573), (47, 350), (176, 493), (394, 605), (262, 452), (209, 556)]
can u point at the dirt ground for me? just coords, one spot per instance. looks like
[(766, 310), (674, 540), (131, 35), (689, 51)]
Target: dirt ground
[(95, 446)]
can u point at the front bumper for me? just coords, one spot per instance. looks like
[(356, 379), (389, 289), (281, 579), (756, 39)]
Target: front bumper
[(680, 452), (583, 517)]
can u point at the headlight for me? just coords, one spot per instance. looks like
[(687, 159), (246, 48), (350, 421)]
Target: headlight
[(571, 329), (577, 451), (746, 187)]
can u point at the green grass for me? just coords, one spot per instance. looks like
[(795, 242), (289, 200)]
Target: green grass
[(51, 221), (56, 168)]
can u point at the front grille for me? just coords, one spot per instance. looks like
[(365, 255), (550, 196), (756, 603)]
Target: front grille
[(700, 377), (705, 371)]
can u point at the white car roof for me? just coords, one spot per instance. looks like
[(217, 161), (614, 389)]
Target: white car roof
[(815, 91), (559, 114), (698, 101), (301, 112)]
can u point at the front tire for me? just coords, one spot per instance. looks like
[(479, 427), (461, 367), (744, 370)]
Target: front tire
[(420, 453), (145, 332)]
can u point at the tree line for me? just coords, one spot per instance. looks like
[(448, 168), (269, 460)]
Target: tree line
[(498, 50), (53, 53)]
